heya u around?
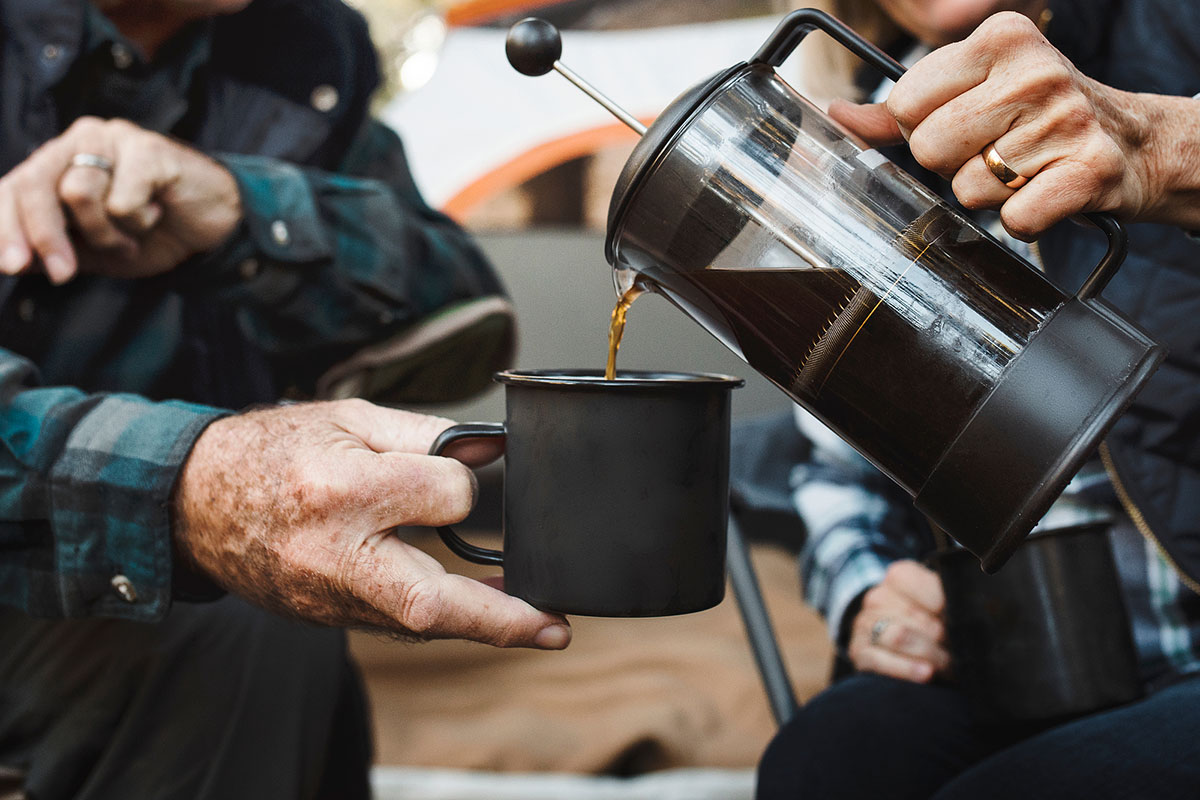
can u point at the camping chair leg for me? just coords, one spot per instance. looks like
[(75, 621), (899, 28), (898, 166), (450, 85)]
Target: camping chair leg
[(758, 627)]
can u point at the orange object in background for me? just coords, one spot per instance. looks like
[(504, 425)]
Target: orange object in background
[(481, 12)]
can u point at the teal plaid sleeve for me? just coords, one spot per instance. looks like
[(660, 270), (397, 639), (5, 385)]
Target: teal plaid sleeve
[(328, 263), (85, 488)]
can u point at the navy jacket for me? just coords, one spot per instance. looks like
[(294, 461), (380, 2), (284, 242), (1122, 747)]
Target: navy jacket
[(1146, 46)]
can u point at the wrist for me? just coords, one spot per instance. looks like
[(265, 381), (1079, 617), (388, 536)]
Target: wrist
[(846, 626), (196, 494), (207, 201), (1171, 158), (226, 212)]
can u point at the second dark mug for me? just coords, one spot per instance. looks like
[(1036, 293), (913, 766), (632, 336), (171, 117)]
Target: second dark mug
[(1048, 636), (616, 493)]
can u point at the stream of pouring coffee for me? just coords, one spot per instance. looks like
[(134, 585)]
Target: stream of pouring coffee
[(616, 328)]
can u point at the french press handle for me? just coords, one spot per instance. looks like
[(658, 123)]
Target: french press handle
[(795, 26)]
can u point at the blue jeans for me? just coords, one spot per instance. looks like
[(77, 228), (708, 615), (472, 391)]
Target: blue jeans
[(874, 737)]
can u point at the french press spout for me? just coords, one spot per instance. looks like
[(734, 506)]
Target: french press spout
[(950, 363)]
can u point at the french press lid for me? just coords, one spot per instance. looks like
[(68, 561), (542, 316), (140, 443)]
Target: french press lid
[(534, 46)]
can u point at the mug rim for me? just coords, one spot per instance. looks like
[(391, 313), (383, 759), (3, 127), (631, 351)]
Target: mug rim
[(1095, 527), (594, 378)]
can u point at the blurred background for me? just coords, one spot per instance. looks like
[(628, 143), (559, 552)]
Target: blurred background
[(659, 708)]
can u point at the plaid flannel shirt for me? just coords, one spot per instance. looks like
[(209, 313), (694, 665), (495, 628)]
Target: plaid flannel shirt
[(327, 263)]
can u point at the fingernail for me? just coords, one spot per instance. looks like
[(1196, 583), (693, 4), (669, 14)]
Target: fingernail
[(553, 637), (922, 672), (14, 259), (58, 269)]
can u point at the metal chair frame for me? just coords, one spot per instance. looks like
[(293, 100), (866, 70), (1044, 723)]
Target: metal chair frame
[(759, 630)]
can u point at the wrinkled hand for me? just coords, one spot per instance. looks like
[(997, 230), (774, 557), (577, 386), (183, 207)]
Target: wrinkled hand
[(1084, 146), (162, 203), (293, 507), (899, 631)]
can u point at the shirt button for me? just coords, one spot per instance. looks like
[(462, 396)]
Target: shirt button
[(386, 318), (26, 309), (248, 268), (51, 52), (324, 97), (124, 588), (122, 56), (280, 232)]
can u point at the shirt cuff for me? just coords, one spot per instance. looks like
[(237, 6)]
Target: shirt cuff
[(281, 227), (279, 208), (858, 573), (111, 512)]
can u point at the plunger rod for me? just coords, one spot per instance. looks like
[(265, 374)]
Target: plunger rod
[(600, 97), (533, 48)]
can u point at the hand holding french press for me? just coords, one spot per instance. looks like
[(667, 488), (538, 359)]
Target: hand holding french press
[(1017, 127)]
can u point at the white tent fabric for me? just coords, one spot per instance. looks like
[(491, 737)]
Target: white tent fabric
[(478, 113)]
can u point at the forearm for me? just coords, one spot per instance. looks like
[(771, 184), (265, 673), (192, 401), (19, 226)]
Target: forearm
[(1172, 155)]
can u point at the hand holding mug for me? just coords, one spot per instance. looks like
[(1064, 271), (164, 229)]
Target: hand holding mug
[(295, 508), (900, 629)]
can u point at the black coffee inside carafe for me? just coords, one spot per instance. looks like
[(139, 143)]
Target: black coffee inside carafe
[(868, 360)]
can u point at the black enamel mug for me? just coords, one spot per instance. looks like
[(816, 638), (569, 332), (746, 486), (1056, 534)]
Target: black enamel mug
[(616, 493), (1048, 636)]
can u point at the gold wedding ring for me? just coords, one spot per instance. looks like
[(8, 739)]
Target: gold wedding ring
[(92, 160), (1000, 168)]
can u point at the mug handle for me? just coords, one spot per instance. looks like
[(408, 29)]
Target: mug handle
[(458, 546), (795, 26)]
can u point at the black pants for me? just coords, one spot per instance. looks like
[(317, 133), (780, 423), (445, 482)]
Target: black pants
[(221, 700), (874, 737)]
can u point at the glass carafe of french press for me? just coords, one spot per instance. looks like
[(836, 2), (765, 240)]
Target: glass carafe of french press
[(951, 364)]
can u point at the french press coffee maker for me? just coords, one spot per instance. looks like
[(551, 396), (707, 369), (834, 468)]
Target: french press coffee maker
[(947, 361)]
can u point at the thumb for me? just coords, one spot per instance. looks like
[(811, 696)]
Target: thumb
[(463, 608), (871, 121)]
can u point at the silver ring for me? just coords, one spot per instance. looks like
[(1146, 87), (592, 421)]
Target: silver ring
[(878, 628), (92, 160)]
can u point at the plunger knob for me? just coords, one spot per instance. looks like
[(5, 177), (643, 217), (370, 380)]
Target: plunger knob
[(532, 46)]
